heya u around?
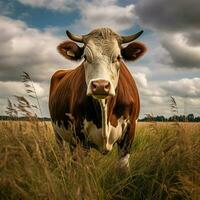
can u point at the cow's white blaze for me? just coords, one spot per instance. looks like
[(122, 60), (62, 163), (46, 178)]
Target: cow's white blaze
[(101, 63), (94, 134), (106, 136)]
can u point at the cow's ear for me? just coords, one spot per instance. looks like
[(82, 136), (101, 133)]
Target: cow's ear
[(133, 51), (70, 50)]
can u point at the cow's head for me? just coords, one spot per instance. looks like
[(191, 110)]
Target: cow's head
[(102, 53)]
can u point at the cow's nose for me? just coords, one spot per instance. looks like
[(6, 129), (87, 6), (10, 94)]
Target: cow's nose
[(100, 87)]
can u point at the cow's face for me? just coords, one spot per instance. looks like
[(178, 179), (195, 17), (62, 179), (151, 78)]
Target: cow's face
[(102, 53), (102, 63)]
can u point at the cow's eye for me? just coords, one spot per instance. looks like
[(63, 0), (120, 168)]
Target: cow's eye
[(87, 59), (116, 59), (119, 57)]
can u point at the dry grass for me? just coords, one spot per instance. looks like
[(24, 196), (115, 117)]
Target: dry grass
[(165, 164)]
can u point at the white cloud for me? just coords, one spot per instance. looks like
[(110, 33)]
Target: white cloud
[(184, 87), (10, 88), (61, 5), (155, 95), (153, 98), (156, 100), (27, 49), (141, 79), (93, 13), (105, 14), (194, 102)]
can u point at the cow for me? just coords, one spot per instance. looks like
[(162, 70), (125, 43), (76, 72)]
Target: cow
[(97, 103)]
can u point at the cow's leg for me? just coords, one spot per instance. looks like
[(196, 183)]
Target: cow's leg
[(124, 153), (124, 148)]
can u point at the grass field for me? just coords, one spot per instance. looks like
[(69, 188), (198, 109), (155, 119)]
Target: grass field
[(165, 164)]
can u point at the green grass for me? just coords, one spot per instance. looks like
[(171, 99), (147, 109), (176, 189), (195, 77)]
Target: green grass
[(165, 164)]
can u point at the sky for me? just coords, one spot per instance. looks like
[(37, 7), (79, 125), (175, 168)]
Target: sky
[(30, 31)]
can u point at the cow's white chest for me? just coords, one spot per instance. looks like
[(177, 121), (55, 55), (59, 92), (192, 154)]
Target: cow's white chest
[(94, 134)]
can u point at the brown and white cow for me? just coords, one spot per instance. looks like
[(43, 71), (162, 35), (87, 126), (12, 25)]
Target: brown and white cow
[(97, 103)]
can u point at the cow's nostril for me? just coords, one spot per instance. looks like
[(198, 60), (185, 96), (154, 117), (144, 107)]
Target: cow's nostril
[(94, 85), (107, 86)]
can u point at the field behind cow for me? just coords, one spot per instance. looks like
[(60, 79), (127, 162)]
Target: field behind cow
[(165, 164)]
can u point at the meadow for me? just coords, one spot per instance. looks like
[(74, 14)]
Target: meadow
[(165, 164)]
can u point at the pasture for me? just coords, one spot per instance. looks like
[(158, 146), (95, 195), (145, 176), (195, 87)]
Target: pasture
[(165, 164)]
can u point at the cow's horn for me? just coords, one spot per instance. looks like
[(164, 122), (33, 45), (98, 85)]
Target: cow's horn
[(77, 38), (129, 38)]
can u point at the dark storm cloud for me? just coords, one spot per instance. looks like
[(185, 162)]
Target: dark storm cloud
[(183, 49), (193, 38), (171, 15), (182, 56), (177, 24)]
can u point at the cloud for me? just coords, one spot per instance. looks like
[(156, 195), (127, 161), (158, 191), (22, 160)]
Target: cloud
[(10, 88), (149, 88), (61, 5), (105, 14), (31, 50), (183, 55), (27, 49), (155, 94), (171, 15), (153, 98), (184, 87), (141, 79), (193, 38), (93, 13), (177, 25), (195, 103)]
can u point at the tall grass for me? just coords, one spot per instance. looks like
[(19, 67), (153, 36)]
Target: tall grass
[(165, 161), (165, 164)]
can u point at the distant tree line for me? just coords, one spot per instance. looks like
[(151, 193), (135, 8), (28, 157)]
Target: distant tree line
[(161, 118), (6, 117), (179, 118)]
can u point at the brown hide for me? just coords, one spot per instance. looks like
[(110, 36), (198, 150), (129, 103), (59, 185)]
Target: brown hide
[(68, 95)]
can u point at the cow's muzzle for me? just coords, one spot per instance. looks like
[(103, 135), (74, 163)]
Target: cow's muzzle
[(100, 88)]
